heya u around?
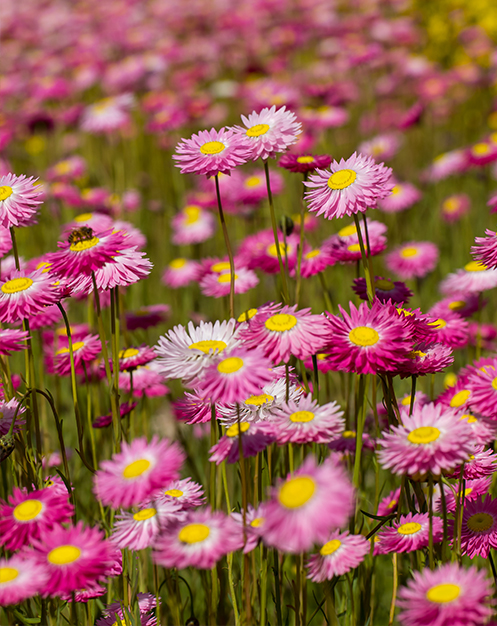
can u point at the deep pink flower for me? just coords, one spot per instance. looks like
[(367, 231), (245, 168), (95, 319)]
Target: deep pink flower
[(10, 340), (25, 294), (385, 289), (412, 259), (411, 532), (255, 438), (21, 577), (304, 162), (19, 200), (340, 554)]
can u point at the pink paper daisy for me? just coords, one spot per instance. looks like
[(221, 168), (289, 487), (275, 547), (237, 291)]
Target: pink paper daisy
[(137, 471), (385, 289), (144, 380), (464, 304), (403, 196), (304, 162), (180, 272), (340, 554), (410, 533), (19, 200), (389, 504), (106, 420), (485, 250), (473, 489), (21, 577), (479, 527), (7, 411), (255, 438), (186, 492), (10, 340), (218, 285), (192, 225), (344, 246), (200, 540), (193, 409), (211, 152), (482, 153), (349, 187), (254, 524), (427, 359), (455, 206), (133, 357), (84, 351), (451, 330), (475, 277), (413, 259), (304, 508), (482, 384), (446, 164), (382, 146), (25, 294), (432, 440), (482, 462), (448, 596), (269, 132)]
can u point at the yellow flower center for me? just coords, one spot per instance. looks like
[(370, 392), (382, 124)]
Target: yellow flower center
[(406, 401), (363, 336), (63, 167), (423, 435), (480, 522), (223, 266), (8, 574), (255, 523), (194, 533), (83, 217), (475, 266), (409, 529), (207, 345), (302, 416), (354, 247), (135, 469), (349, 434), (234, 431), (75, 347), (305, 159), (177, 264), (86, 244), (450, 380), (481, 149), (230, 365), (312, 254), (192, 213), (330, 547), (408, 252), (396, 190), (257, 130), (457, 305), (253, 181), (247, 315), (128, 353), (17, 284), (226, 278), (341, 179), (259, 400), (347, 231), (384, 284), (271, 250), (296, 492), (5, 192), (27, 510), (144, 514), (417, 354), (450, 205), (460, 398), (438, 324), (212, 147), (447, 592), (392, 504), (44, 266), (63, 555), (281, 322), (174, 493)]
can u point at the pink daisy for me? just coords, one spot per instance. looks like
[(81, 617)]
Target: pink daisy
[(254, 526), (10, 340), (403, 196), (192, 225), (255, 438), (473, 489), (340, 554), (200, 540), (84, 351), (25, 294), (304, 162), (144, 380), (314, 261), (212, 151), (410, 533), (482, 462), (251, 190), (71, 168), (193, 409), (348, 187), (137, 471), (412, 259), (147, 316), (133, 357), (218, 285), (455, 206), (464, 304), (269, 132), (447, 596), (21, 577), (474, 277), (186, 492), (385, 289), (106, 420), (389, 504), (19, 200), (451, 330), (304, 508), (485, 250), (446, 164), (482, 384), (427, 359), (7, 412), (432, 440), (482, 153), (344, 246), (259, 251), (382, 146), (479, 527)]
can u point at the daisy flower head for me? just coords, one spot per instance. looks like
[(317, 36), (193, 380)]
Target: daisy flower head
[(482, 462), (304, 163), (464, 304), (485, 250), (9, 410), (472, 491), (211, 152), (259, 251), (199, 540), (482, 385), (368, 340), (133, 357), (314, 261), (349, 187), (192, 408), (269, 132), (254, 438), (107, 115), (389, 504), (281, 332), (137, 471), (427, 358), (413, 259), (144, 380), (382, 146), (403, 196), (385, 289), (19, 200), (84, 352), (305, 421), (410, 533), (432, 440), (475, 277), (21, 577), (340, 554), (254, 523), (10, 340), (447, 164), (447, 596), (455, 206), (186, 492), (479, 527), (103, 421), (217, 285), (482, 153), (344, 247), (192, 224), (451, 329), (25, 294)]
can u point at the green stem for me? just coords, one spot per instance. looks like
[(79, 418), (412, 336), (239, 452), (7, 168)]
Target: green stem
[(301, 245), (369, 278), (228, 248), (284, 285), (430, 526), (394, 589)]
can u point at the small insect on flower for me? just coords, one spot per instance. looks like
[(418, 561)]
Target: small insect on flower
[(84, 233)]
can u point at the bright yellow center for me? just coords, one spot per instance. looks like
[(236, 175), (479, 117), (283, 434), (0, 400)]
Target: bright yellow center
[(128, 353), (27, 510), (330, 547), (80, 246), (226, 278), (296, 492), (272, 251), (409, 529), (135, 469), (207, 345), (423, 435), (255, 523), (341, 179), (302, 416), (392, 504), (349, 434), (450, 205), (212, 147), (281, 322), (363, 336), (5, 192), (450, 380), (194, 533), (145, 514), (63, 555), (406, 401), (416, 354), (437, 324), (347, 231), (259, 400), (457, 305), (384, 284), (223, 266), (305, 159), (75, 347), (174, 493), (480, 522), (257, 130), (471, 419), (354, 247), (408, 252), (83, 217), (230, 365), (44, 266), (475, 266), (253, 181), (8, 574), (247, 315), (177, 264), (447, 592), (192, 213), (313, 254), (17, 284), (460, 398), (396, 190), (480, 149), (234, 431), (468, 491)]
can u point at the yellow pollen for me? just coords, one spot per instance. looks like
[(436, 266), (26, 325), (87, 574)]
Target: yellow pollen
[(177, 264), (480, 149), (63, 167), (417, 354), (457, 305), (223, 266), (349, 434), (392, 504), (347, 231), (257, 130), (145, 514), (44, 266), (253, 181), (80, 246), (281, 322), (212, 147), (247, 315), (128, 353), (5, 192), (312, 254), (450, 205), (192, 213), (441, 594), (470, 418), (475, 266), (330, 547), (406, 401), (305, 159), (75, 347), (259, 400), (63, 555), (355, 247), (494, 384), (135, 469), (363, 336), (468, 491), (234, 431), (207, 345), (437, 324), (255, 523), (296, 492), (384, 285), (17, 284), (480, 522), (230, 365), (408, 252), (396, 190), (423, 435), (409, 529), (302, 416), (174, 493), (271, 250), (8, 574), (84, 217), (194, 533), (341, 179), (460, 398), (450, 380), (27, 510), (226, 278)]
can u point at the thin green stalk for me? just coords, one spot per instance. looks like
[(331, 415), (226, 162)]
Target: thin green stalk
[(430, 520), (246, 608), (115, 325), (394, 589), (360, 420), (284, 285), (326, 293), (414, 378), (228, 248), (369, 278), (301, 245)]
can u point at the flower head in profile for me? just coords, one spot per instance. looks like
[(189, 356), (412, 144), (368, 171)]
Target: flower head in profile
[(475, 277), (385, 289), (180, 272), (485, 250), (19, 200), (254, 438), (304, 163), (217, 284), (479, 527), (10, 340), (411, 532), (25, 294), (340, 554), (412, 259)]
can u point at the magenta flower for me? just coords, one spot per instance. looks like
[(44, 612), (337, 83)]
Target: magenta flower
[(19, 200), (410, 533), (340, 554), (304, 162), (475, 277), (217, 285), (451, 329), (21, 577), (84, 351), (403, 196), (455, 206), (482, 462), (389, 504), (180, 272), (192, 225), (255, 438), (25, 294), (479, 527), (412, 259), (10, 340), (254, 524), (315, 261), (427, 358), (8, 410), (186, 492), (485, 250), (446, 164), (385, 289)]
